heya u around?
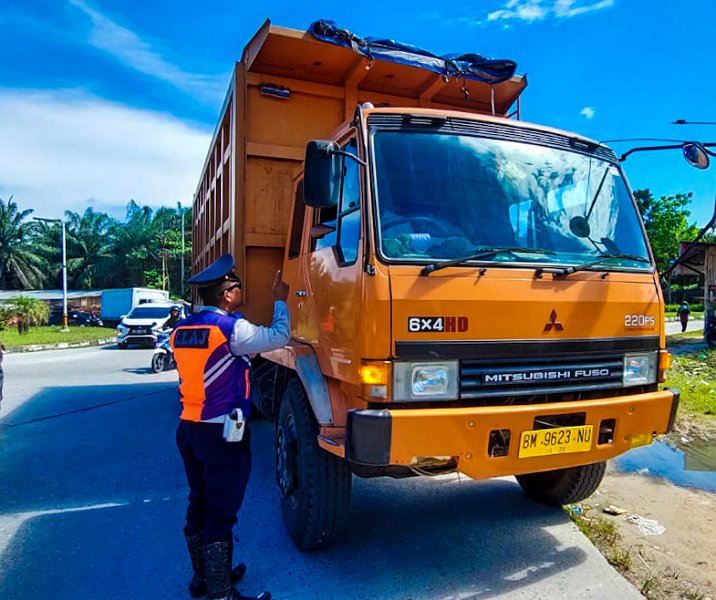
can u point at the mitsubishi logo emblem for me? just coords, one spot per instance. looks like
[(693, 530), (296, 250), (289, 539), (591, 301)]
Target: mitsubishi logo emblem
[(553, 322)]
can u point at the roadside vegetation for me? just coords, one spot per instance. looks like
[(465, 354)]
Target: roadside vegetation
[(603, 532), (24, 312), (694, 374), (11, 338), (144, 250)]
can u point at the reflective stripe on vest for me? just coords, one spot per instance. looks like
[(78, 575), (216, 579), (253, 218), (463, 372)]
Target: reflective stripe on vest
[(212, 380)]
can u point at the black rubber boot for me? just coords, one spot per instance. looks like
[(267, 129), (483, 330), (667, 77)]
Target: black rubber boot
[(195, 545), (197, 586), (217, 568)]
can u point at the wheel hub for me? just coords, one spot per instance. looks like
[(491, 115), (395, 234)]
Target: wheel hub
[(285, 460)]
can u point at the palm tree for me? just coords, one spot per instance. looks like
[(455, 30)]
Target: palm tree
[(30, 312), (89, 246), (20, 266)]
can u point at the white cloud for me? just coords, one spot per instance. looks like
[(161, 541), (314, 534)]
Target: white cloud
[(66, 150), (587, 112), (135, 53), (566, 8), (530, 11)]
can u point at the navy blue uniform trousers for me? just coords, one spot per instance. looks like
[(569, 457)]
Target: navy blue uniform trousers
[(217, 472)]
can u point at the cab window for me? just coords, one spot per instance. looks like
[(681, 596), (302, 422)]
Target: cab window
[(344, 219)]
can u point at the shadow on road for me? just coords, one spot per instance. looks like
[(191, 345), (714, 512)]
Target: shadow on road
[(98, 495)]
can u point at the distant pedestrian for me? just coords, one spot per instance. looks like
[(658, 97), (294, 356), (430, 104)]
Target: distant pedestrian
[(684, 312)]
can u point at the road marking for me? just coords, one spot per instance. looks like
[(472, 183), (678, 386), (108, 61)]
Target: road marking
[(9, 524)]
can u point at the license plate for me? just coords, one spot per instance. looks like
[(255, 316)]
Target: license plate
[(560, 440)]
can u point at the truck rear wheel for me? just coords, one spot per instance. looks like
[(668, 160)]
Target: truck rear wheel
[(315, 486), (563, 486), (711, 339)]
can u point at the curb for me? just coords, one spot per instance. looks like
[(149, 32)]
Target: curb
[(59, 346)]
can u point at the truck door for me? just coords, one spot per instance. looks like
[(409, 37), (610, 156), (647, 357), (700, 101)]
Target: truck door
[(302, 322), (333, 274)]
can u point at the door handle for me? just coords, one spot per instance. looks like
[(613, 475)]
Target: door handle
[(301, 293)]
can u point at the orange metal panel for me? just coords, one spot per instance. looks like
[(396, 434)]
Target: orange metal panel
[(493, 303), (261, 266), (269, 185), (292, 122), (464, 432)]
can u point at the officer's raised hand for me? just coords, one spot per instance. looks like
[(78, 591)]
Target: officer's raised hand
[(279, 288)]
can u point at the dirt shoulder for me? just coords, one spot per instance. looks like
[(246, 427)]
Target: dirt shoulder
[(678, 563)]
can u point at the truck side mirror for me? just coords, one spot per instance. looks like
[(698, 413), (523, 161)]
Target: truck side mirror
[(695, 155), (322, 174)]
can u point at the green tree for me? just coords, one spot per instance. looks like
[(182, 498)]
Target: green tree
[(20, 265), (667, 224), (30, 312), (147, 248), (89, 246)]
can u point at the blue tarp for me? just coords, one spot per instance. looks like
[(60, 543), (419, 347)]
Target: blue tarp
[(464, 66)]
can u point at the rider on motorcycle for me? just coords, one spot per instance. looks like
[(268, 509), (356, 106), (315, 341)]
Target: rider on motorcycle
[(174, 318)]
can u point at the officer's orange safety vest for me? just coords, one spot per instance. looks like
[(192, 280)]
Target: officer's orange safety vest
[(213, 381)]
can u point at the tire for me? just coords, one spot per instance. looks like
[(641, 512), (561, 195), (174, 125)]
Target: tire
[(122, 345), (315, 486), (159, 362), (711, 339), (563, 486)]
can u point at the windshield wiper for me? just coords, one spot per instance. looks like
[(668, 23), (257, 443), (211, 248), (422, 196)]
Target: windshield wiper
[(483, 253), (563, 272)]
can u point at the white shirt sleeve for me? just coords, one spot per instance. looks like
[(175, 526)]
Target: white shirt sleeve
[(247, 338)]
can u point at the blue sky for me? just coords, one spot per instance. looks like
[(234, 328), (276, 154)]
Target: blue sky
[(104, 101)]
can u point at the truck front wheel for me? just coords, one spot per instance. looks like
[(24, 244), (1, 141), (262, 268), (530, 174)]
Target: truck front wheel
[(563, 486), (315, 486)]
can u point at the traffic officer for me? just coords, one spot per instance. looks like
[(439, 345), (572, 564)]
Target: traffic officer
[(212, 349)]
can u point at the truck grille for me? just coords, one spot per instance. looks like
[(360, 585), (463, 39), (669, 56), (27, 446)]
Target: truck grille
[(485, 379), (501, 372)]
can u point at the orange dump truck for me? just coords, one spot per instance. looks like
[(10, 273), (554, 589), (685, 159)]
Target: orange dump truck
[(469, 292)]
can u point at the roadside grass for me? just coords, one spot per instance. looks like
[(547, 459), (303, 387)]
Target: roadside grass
[(649, 586), (52, 335), (603, 533), (694, 375)]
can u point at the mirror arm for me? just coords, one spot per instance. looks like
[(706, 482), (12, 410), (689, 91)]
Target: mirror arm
[(623, 157), (349, 155), (705, 146)]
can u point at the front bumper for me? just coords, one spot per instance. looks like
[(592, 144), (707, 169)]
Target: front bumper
[(403, 437), (145, 340)]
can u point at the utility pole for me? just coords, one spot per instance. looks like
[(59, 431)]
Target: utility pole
[(64, 268), (181, 216)]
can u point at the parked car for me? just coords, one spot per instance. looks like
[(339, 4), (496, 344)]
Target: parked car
[(84, 319), (76, 318), (142, 324)]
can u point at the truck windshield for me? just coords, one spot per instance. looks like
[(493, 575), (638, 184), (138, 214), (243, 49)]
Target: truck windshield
[(149, 312), (447, 196)]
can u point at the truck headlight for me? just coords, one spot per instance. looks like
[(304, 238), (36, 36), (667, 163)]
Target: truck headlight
[(639, 369), (425, 380)]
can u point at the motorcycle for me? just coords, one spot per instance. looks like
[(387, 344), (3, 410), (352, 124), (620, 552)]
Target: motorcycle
[(163, 357)]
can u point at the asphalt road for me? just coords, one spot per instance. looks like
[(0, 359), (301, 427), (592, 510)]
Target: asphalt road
[(93, 495)]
